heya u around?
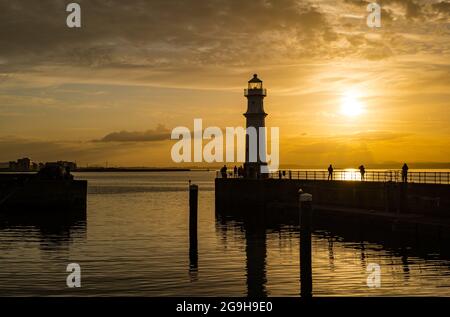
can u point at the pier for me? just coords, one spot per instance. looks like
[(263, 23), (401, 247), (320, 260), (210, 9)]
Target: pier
[(413, 204), (385, 210)]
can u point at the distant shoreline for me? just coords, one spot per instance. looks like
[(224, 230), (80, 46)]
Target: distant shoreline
[(112, 169), (124, 170), (194, 169)]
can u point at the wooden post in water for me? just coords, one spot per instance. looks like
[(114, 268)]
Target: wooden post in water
[(305, 210), (193, 206)]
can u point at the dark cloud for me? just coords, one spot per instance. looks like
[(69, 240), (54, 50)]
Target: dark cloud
[(154, 33), (97, 153), (442, 7), (357, 2), (169, 36), (158, 134), (420, 9), (12, 148), (413, 8)]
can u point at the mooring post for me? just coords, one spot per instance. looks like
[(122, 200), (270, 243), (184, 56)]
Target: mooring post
[(193, 206), (305, 210)]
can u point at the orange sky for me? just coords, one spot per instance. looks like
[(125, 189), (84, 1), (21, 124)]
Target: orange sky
[(144, 68)]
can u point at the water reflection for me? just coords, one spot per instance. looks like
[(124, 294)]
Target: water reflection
[(137, 246), (255, 249), (400, 243), (256, 253), (405, 264), (330, 253), (53, 231), (412, 263), (362, 249), (193, 259)]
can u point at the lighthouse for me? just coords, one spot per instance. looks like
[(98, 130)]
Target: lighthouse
[(255, 117)]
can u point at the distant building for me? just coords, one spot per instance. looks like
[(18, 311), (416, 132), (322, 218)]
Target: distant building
[(23, 165), (26, 165), (71, 165)]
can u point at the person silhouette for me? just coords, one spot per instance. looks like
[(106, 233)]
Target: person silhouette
[(362, 170), (235, 171), (67, 174), (223, 171), (405, 169), (330, 172)]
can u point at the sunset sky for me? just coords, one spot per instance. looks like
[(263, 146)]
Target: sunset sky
[(340, 92)]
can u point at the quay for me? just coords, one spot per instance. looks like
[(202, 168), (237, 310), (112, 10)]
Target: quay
[(36, 194)]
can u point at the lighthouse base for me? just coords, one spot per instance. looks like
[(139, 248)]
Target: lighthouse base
[(253, 171)]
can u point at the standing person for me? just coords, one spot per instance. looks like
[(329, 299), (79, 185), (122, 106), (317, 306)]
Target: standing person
[(362, 170), (223, 171), (67, 175), (235, 171), (330, 172), (405, 169)]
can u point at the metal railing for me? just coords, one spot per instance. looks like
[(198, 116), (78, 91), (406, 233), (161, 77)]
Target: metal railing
[(369, 176)]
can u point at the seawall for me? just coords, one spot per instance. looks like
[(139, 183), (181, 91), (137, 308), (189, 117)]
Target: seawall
[(389, 201), (26, 193)]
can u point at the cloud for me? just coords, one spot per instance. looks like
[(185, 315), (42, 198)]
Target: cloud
[(376, 136), (179, 43), (357, 2), (151, 33), (92, 153), (443, 7), (158, 134), (193, 57), (413, 8), (12, 147), (344, 150)]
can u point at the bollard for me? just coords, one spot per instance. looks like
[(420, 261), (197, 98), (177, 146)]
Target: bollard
[(305, 211)]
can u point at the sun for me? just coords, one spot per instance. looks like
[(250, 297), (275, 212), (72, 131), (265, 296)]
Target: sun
[(350, 104)]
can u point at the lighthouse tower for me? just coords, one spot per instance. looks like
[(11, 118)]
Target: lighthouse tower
[(255, 117)]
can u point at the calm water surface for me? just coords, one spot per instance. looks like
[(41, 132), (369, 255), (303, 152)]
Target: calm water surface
[(134, 242)]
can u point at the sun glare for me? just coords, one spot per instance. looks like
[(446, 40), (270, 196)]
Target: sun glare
[(350, 105)]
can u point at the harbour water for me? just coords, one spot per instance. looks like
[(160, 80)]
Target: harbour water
[(134, 242)]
